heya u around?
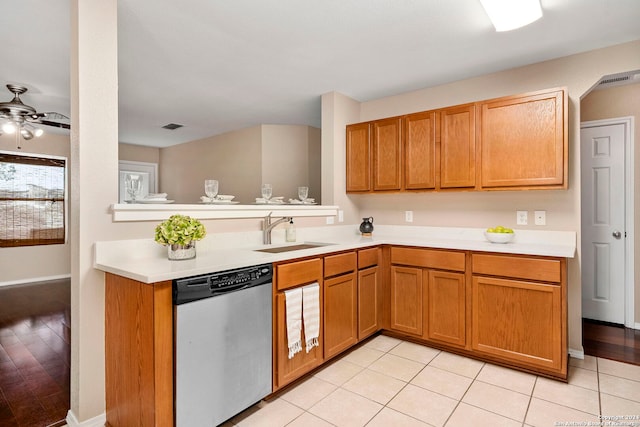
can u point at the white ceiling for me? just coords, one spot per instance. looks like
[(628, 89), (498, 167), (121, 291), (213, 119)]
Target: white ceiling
[(221, 65)]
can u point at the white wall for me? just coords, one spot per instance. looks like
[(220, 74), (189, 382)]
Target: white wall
[(578, 73)]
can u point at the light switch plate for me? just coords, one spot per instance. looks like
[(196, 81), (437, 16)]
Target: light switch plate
[(330, 220), (540, 217), (522, 217), (340, 216)]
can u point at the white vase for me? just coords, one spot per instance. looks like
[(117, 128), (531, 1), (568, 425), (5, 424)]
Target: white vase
[(178, 252)]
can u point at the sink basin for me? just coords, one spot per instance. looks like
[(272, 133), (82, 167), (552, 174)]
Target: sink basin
[(288, 248)]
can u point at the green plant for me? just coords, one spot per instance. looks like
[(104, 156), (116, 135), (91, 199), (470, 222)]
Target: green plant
[(179, 230)]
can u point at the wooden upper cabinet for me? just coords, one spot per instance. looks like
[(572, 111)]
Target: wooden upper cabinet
[(358, 144), (387, 154), (419, 136), (524, 142), (458, 147)]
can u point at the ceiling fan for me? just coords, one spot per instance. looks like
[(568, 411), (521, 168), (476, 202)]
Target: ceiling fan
[(16, 116)]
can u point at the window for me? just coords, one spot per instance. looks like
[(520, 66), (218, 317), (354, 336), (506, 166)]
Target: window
[(32, 200)]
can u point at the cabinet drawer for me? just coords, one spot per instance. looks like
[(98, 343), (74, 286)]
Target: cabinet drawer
[(367, 258), (298, 273), (542, 269), (340, 263), (429, 258)]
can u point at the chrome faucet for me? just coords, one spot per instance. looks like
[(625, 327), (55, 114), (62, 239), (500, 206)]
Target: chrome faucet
[(267, 226)]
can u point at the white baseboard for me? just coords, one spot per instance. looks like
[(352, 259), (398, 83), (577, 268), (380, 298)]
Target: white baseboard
[(636, 326), (34, 280), (98, 421), (576, 354)]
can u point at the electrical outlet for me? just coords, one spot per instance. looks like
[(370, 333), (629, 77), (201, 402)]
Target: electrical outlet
[(330, 220), (522, 217), (408, 216), (340, 216), (540, 217)]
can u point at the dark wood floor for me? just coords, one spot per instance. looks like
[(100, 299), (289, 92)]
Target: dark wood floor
[(35, 353), (611, 342)]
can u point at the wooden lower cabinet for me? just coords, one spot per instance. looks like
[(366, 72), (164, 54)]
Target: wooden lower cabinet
[(406, 299), (368, 302), (446, 307), (340, 314), (518, 321), (138, 352), (286, 370)]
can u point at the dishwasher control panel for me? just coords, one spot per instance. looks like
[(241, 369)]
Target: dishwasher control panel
[(195, 288)]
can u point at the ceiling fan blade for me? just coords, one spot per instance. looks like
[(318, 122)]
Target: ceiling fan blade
[(55, 124)]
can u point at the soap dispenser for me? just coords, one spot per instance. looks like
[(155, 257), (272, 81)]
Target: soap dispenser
[(291, 231)]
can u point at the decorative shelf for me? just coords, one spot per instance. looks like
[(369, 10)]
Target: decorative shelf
[(159, 212)]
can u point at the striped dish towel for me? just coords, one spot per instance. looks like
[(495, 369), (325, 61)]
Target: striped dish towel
[(311, 314), (293, 304)]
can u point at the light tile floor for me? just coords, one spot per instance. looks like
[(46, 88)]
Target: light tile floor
[(389, 382)]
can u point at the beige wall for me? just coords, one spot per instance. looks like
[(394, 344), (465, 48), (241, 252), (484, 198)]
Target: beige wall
[(286, 159), (241, 161), (138, 153), (30, 263), (578, 73), (232, 158), (621, 101)]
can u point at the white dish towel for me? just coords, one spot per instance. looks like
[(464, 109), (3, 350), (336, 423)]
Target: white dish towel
[(311, 314), (293, 312)]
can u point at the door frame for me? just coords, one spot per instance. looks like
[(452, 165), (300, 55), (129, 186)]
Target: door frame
[(629, 283)]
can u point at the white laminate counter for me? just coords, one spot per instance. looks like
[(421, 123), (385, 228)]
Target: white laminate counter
[(146, 261)]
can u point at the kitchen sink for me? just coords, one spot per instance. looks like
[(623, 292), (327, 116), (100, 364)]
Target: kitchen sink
[(288, 248)]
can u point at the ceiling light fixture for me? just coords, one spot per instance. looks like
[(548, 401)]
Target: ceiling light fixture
[(9, 127), (508, 15)]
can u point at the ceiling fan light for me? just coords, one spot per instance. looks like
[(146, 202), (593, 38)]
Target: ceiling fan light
[(26, 134), (9, 127), (38, 132), (508, 15)]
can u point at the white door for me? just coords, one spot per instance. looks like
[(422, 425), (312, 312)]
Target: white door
[(603, 222)]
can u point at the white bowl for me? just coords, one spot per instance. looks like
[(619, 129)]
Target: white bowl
[(499, 237), (224, 197)]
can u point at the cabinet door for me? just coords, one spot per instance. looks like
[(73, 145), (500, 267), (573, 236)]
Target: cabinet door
[(368, 312), (419, 151), (406, 299), (446, 304), (458, 147), (518, 321), (524, 142), (358, 158), (287, 370), (387, 154), (340, 314)]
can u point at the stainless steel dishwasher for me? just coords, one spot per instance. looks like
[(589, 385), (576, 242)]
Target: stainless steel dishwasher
[(222, 344)]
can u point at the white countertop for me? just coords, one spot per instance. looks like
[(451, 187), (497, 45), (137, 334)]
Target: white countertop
[(146, 261)]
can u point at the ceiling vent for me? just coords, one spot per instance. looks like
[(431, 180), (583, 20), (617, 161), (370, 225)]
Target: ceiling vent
[(172, 126), (619, 79)]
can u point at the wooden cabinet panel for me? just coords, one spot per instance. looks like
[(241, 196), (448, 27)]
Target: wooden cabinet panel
[(368, 302), (298, 273), (285, 369), (138, 352), (446, 307), (419, 136), (542, 269), (406, 299), (339, 264), (518, 321), (458, 147), (340, 314), (429, 258), (368, 257), (358, 157), (523, 141), (387, 154)]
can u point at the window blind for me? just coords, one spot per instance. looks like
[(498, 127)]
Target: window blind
[(32, 200)]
